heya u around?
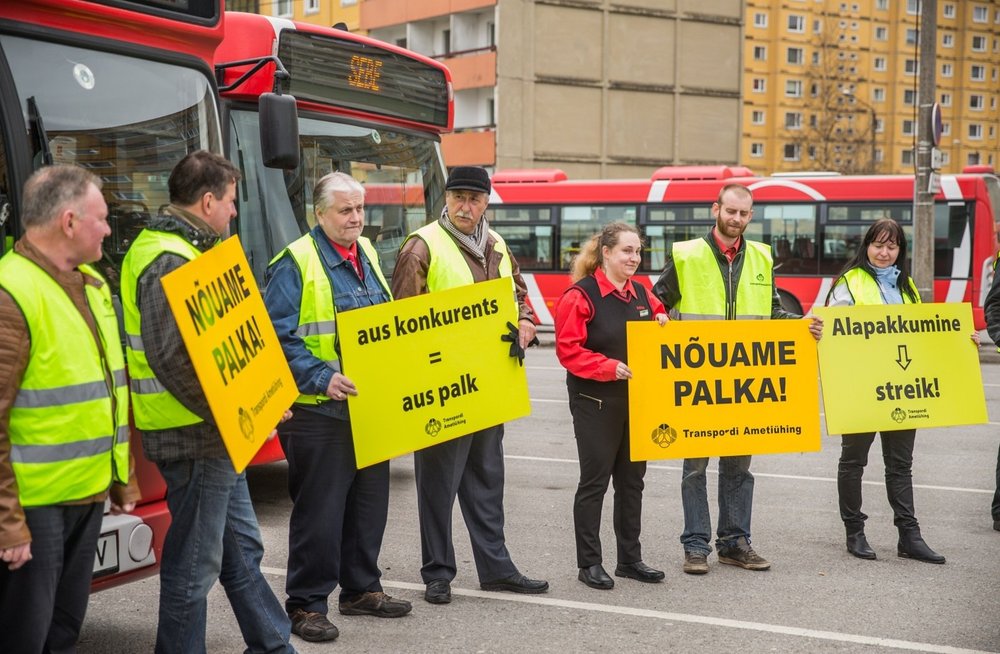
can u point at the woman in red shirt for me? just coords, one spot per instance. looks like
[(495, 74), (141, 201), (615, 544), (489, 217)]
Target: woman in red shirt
[(590, 343)]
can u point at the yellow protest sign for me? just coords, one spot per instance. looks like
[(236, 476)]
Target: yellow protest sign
[(722, 388), (899, 366), (430, 368), (233, 347)]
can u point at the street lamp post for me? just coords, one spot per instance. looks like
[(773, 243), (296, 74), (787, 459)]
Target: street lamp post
[(849, 93)]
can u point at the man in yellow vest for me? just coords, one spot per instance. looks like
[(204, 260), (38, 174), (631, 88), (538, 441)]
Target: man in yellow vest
[(64, 433), (455, 250), (213, 533), (339, 512), (722, 276)]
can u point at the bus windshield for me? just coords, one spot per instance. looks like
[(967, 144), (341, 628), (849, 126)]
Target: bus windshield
[(127, 120), (403, 174)]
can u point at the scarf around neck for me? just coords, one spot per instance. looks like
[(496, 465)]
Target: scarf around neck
[(474, 243)]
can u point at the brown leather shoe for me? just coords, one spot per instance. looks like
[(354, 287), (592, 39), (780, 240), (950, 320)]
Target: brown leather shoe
[(376, 603), (695, 563), (312, 626)]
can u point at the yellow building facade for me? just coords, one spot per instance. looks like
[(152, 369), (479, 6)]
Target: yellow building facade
[(832, 84)]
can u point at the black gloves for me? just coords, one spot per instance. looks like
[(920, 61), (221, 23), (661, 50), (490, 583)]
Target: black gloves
[(515, 343)]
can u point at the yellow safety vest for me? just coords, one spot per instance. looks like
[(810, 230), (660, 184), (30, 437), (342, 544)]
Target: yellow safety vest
[(864, 289), (69, 431), (153, 406), (317, 312), (447, 267), (703, 288)]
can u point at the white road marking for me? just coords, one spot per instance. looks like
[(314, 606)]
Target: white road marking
[(669, 618)]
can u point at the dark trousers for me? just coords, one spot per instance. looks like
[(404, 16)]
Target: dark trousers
[(338, 514), (603, 446), (42, 604), (897, 453), (996, 494), (470, 468)]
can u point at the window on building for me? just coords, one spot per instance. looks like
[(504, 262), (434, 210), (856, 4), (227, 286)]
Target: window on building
[(949, 10), (909, 97), (817, 26), (491, 34), (283, 8), (879, 125), (948, 41), (348, 3), (792, 151), (881, 33), (796, 23), (906, 157), (978, 73), (947, 70), (793, 120), (878, 95), (910, 66), (879, 155), (976, 102), (312, 6), (757, 117), (980, 14), (793, 88), (911, 36), (815, 58), (814, 89), (879, 64), (946, 99), (908, 127), (979, 44), (913, 7), (945, 129), (881, 5), (973, 159), (756, 149), (945, 158), (975, 131), (795, 55), (401, 42), (759, 85), (812, 120), (760, 53), (446, 42), (760, 19)]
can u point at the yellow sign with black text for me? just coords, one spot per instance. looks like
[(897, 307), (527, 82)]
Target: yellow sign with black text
[(232, 344), (899, 366), (722, 388), (430, 368)]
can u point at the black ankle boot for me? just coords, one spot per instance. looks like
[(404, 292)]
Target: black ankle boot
[(857, 544), (912, 546)]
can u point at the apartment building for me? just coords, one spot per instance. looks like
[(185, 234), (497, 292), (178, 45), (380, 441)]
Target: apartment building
[(598, 88), (318, 12), (832, 84)]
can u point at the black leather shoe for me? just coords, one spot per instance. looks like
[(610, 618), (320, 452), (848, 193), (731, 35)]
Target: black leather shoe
[(596, 577), (912, 546), (517, 583), (858, 545), (438, 591), (639, 571), (996, 525)]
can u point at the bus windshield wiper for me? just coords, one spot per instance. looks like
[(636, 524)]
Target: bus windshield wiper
[(39, 139)]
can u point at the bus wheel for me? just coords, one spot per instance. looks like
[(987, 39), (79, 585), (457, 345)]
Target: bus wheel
[(789, 302)]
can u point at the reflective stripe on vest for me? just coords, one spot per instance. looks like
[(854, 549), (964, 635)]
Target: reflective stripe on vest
[(864, 288), (703, 287), (317, 314), (153, 406), (69, 430)]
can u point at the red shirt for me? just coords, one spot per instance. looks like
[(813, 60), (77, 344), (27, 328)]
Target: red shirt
[(729, 252), (573, 312), (350, 254)]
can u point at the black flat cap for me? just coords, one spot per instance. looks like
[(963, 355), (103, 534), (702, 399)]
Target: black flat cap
[(468, 178)]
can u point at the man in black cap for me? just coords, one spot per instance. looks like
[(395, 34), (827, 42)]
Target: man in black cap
[(456, 250)]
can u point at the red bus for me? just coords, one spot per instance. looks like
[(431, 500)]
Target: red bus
[(124, 89), (366, 108), (813, 224)]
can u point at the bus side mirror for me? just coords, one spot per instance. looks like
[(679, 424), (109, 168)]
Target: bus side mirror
[(279, 131)]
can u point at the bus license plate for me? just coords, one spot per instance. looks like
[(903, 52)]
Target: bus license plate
[(106, 558)]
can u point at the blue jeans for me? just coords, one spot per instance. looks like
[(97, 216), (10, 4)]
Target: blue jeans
[(214, 535), (735, 503)]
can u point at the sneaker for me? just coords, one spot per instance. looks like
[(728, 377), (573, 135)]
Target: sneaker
[(375, 603), (312, 626), (742, 555), (695, 563)]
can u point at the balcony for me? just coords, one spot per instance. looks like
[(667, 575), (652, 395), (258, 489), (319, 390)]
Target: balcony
[(385, 13), (473, 147), (473, 69)]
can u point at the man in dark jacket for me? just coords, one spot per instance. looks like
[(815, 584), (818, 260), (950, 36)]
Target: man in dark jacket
[(991, 309)]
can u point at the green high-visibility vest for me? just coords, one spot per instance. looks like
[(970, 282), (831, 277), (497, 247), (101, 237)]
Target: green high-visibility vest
[(153, 406), (864, 288), (447, 267), (703, 287), (317, 313), (69, 431)]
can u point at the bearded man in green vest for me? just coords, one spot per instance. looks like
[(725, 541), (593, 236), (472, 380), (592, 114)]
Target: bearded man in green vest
[(455, 250), (213, 533), (722, 276), (64, 433)]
